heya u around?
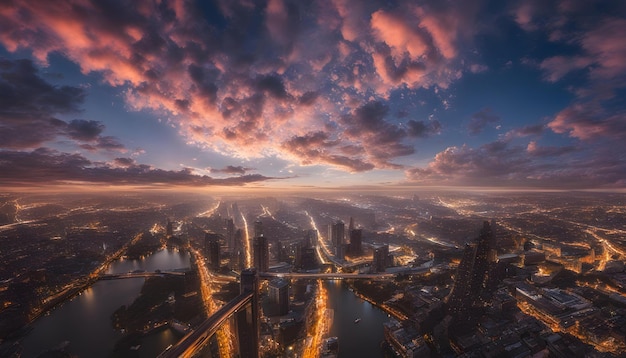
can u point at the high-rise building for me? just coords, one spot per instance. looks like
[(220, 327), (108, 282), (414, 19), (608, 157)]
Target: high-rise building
[(310, 239), (336, 233), (380, 258), (355, 242), (261, 254), (169, 229), (279, 296), (230, 235), (247, 318), (472, 275), (258, 228), (212, 245), (351, 225)]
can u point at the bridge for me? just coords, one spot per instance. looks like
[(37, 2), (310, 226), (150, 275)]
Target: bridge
[(143, 274), (244, 308), (327, 276)]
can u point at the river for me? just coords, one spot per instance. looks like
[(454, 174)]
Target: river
[(85, 321), (360, 339)]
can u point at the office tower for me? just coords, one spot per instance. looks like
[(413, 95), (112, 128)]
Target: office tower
[(351, 225), (258, 228), (169, 230), (472, 275), (279, 296), (380, 258), (311, 238), (247, 318), (355, 242), (336, 233), (212, 245), (261, 254), (230, 235)]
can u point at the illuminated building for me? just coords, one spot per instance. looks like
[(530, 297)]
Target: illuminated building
[(261, 254), (472, 274), (247, 319), (279, 296), (355, 242), (212, 244), (230, 235), (311, 238), (169, 230), (380, 258), (336, 234), (258, 228)]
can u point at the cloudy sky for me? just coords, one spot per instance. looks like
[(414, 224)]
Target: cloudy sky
[(329, 93)]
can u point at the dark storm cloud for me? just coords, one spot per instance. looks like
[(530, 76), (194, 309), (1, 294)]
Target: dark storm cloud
[(381, 139), (482, 119), (46, 166), (84, 130), (28, 105), (422, 129), (272, 85), (231, 169)]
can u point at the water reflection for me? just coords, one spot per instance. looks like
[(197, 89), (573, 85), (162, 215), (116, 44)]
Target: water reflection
[(85, 321)]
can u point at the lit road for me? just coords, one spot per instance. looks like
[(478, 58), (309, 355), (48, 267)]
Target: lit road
[(211, 211), (246, 242), (196, 339), (322, 244), (319, 328), (209, 304)]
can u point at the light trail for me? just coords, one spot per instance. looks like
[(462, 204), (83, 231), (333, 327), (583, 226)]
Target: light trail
[(319, 239), (210, 212), (267, 212), (246, 242), (312, 349), (223, 341)]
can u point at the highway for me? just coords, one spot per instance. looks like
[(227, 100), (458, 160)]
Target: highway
[(196, 339)]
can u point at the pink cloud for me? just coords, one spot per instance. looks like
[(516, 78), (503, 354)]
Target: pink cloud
[(247, 93), (588, 121)]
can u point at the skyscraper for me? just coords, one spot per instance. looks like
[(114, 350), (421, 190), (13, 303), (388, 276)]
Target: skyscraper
[(212, 244), (355, 242), (380, 258), (279, 296), (261, 254), (336, 233), (472, 275), (247, 319), (169, 230), (230, 235), (258, 228)]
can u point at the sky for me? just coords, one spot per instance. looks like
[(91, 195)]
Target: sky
[(305, 94)]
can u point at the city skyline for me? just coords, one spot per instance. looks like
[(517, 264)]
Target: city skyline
[(282, 95)]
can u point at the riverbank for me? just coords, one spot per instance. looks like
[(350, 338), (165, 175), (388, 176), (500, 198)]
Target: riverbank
[(390, 311)]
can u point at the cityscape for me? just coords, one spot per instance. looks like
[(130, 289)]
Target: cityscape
[(427, 274), (312, 179)]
